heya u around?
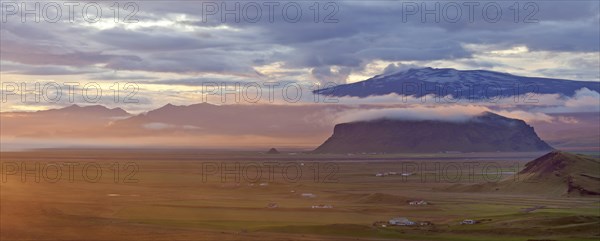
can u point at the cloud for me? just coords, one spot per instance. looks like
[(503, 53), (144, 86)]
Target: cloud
[(453, 114), (584, 100), (529, 117), (172, 43), (157, 126), (204, 81), (426, 108), (398, 67), (24, 69), (327, 75)]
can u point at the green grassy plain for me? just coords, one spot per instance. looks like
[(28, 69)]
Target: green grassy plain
[(167, 198)]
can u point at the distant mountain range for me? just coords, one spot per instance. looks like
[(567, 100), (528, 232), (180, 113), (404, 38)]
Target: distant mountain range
[(200, 125), (204, 118), (73, 120), (485, 133), (463, 84), (248, 126), (92, 111)]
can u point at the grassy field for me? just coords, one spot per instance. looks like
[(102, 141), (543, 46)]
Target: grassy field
[(188, 195)]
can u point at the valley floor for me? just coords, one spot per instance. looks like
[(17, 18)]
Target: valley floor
[(142, 195)]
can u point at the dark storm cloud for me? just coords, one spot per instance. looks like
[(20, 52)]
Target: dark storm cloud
[(130, 40), (362, 32), (49, 44), (75, 59), (191, 61)]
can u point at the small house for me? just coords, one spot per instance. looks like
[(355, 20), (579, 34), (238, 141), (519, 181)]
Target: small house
[(400, 221), (308, 195), (418, 202), (468, 221)]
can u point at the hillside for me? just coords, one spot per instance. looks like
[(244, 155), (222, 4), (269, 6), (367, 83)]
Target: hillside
[(555, 174), (575, 173)]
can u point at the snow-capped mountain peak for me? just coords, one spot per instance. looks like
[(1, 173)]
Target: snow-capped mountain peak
[(479, 83)]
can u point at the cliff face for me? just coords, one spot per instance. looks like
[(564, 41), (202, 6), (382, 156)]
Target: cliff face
[(486, 133)]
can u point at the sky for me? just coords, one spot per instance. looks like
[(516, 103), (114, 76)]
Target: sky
[(169, 50)]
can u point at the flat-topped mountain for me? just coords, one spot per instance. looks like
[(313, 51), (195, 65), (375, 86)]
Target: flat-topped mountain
[(484, 133)]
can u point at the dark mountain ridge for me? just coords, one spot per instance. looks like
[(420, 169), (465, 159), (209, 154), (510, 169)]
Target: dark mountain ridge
[(484, 133)]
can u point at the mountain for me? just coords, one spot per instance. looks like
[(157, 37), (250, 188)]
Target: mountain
[(204, 118), (463, 84), (67, 121), (199, 125), (484, 133), (232, 126), (554, 174), (92, 111)]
